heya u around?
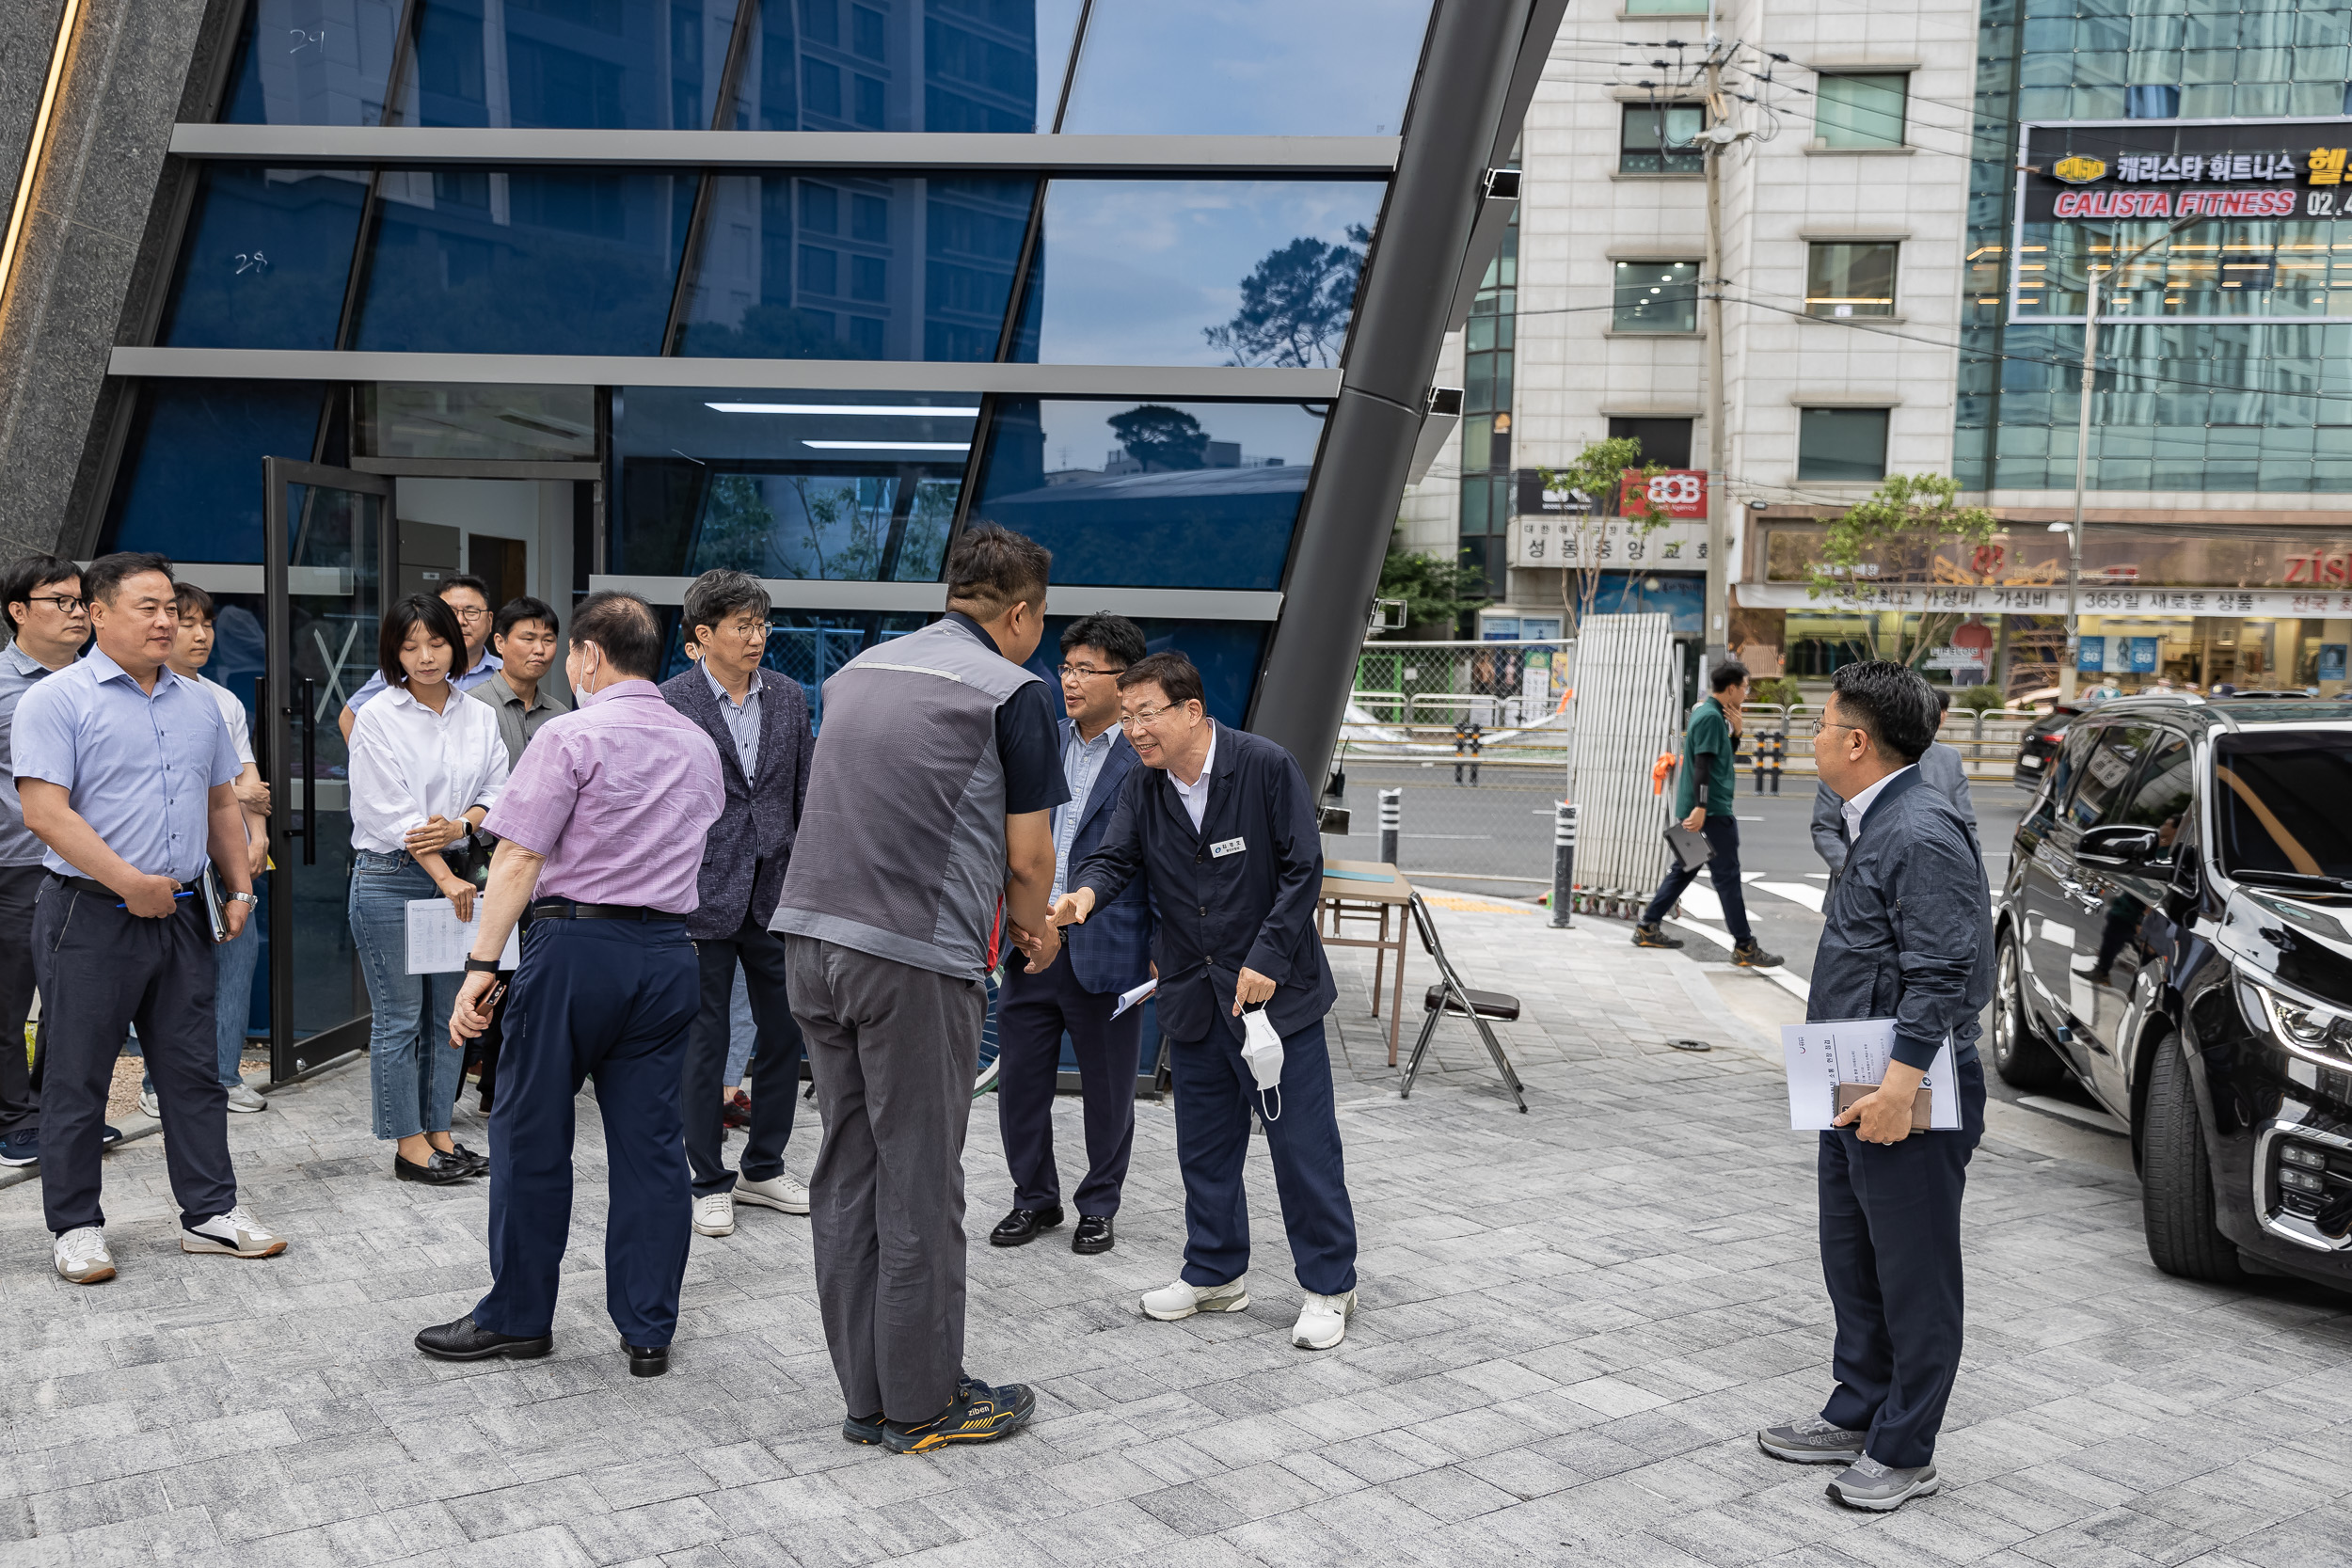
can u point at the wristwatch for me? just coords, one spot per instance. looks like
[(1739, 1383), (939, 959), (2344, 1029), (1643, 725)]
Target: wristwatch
[(481, 966), (244, 898)]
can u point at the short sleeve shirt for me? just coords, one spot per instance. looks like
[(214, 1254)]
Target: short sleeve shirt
[(136, 765), (232, 715), (1029, 739)]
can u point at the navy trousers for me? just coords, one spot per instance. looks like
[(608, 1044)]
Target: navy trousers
[(1032, 1011), (608, 1000), (103, 970), (1214, 1092), (1723, 869), (1890, 1252), (777, 1059)]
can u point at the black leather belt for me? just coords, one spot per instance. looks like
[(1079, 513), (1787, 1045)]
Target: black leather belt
[(97, 889), (565, 908)]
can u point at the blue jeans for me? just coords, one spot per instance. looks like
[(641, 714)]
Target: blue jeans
[(413, 1069), (742, 1033)]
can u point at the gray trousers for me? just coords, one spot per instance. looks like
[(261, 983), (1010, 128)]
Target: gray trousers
[(893, 1050)]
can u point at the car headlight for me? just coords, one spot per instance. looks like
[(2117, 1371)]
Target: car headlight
[(2304, 1025)]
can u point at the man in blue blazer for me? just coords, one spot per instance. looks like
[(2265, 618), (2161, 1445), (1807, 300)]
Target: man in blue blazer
[(1111, 954), (1220, 826), (759, 722)]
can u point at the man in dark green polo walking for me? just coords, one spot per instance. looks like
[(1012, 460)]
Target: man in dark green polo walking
[(1703, 801)]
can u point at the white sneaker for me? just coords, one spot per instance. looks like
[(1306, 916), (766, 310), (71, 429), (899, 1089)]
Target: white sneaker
[(1180, 1299), (236, 1233), (245, 1100), (1323, 1321), (779, 1192), (83, 1257), (714, 1215), (148, 1105)]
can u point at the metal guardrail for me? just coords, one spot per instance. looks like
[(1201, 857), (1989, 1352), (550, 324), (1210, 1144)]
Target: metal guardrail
[(1986, 741)]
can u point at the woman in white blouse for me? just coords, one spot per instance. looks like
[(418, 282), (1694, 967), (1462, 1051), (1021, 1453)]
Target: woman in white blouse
[(426, 763)]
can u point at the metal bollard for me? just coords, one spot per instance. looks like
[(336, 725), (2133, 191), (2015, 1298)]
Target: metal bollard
[(1391, 819), (1563, 860)]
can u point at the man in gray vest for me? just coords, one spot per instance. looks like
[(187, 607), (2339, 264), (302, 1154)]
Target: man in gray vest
[(924, 849)]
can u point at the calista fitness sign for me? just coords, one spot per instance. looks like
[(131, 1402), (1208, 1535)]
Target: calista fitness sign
[(2167, 168)]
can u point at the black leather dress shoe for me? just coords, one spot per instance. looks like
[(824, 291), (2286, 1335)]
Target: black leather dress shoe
[(480, 1161), (1021, 1227), (468, 1340), (644, 1362), (1093, 1234), (438, 1171)]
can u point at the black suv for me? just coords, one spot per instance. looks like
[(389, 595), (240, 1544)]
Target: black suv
[(2176, 933)]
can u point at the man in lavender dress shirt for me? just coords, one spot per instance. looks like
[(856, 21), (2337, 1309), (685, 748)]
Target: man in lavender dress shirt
[(611, 801)]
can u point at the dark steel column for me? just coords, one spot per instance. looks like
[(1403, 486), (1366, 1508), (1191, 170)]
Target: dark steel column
[(1343, 528)]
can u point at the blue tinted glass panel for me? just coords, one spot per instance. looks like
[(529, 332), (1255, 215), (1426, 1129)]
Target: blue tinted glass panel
[(803, 267), (312, 62), (907, 65), (569, 64), (1307, 67), (1143, 272), (554, 262), (1200, 495), (190, 484), (267, 254), (1225, 652), (844, 487)]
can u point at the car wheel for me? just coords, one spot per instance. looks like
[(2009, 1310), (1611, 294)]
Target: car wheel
[(2176, 1179), (2020, 1056)]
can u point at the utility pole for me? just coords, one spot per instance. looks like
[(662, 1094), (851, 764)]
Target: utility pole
[(1718, 137), (2082, 447)]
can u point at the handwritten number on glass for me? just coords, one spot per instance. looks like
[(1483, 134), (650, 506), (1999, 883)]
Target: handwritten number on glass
[(252, 261)]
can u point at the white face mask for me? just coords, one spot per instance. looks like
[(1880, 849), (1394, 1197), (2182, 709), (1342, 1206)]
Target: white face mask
[(1262, 1048)]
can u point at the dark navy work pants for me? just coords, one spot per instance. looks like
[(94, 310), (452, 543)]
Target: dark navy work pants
[(1890, 1252), (1723, 869), (1214, 1093), (608, 1000), (1032, 1011), (776, 1061)]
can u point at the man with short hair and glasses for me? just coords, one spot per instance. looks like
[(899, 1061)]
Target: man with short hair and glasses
[(468, 599), (1107, 956), (1220, 826), (48, 622), (126, 772), (759, 719), (1907, 933)]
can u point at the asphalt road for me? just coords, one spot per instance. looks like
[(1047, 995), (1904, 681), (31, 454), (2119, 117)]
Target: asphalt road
[(1494, 840)]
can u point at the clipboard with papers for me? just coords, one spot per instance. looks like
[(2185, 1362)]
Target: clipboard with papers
[(1823, 1058)]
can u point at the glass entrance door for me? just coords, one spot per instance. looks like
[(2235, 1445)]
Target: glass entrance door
[(323, 550)]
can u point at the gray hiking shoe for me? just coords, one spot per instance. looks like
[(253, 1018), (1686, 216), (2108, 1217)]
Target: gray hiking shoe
[(1867, 1483), (1811, 1441)]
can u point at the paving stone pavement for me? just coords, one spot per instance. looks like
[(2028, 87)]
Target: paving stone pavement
[(1572, 1321)]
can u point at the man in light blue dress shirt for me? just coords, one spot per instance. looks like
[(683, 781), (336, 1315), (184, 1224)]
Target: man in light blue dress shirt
[(125, 773), (1078, 997)]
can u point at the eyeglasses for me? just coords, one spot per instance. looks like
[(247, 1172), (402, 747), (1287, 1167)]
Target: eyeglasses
[(1820, 724), (67, 604), (474, 613), (1088, 672), (1142, 717)]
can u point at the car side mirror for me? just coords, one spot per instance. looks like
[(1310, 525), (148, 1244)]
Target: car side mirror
[(2119, 845)]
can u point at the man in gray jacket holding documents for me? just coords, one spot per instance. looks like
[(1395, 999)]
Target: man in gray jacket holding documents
[(1908, 936)]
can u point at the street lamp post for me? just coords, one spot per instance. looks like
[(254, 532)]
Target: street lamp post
[(2082, 449)]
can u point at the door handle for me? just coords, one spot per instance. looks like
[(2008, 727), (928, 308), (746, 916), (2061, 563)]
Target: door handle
[(310, 772)]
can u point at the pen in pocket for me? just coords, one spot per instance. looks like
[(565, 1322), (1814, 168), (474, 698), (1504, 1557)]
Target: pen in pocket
[(183, 892)]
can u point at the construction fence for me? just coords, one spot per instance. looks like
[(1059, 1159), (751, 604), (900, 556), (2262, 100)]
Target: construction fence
[(1474, 742)]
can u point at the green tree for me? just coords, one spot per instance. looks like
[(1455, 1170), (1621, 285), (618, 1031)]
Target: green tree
[(1435, 592), (1163, 440), (1597, 475), (1898, 536)]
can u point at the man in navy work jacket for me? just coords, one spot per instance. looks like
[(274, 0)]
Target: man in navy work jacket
[(1221, 828), (1110, 955), (759, 720), (1907, 935)]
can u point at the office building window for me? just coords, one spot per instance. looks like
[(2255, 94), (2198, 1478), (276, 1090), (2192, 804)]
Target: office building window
[(1841, 443), (1667, 441), (1850, 280), (1657, 297), (1861, 110), (1660, 138)]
